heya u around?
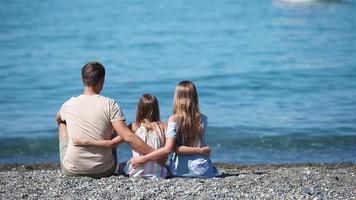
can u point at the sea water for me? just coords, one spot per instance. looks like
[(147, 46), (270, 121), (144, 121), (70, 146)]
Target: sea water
[(277, 79)]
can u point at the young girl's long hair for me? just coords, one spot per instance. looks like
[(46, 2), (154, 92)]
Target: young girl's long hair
[(187, 112), (147, 111)]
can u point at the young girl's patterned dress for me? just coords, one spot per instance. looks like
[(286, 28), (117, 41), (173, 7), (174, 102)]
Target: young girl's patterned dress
[(151, 169)]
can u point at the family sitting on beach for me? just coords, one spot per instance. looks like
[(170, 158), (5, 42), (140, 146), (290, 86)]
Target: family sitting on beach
[(91, 126)]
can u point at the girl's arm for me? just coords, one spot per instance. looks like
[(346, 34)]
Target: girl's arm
[(155, 155), (193, 150), (101, 143), (135, 142), (161, 152)]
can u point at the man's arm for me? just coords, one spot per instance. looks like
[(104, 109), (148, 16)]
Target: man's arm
[(134, 141), (193, 150), (161, 153), (155, 155)]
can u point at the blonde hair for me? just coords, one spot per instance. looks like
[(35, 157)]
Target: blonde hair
[(147, 111), (187, 112)]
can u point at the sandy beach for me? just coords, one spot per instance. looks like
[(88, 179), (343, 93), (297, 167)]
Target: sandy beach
[(294, 181)]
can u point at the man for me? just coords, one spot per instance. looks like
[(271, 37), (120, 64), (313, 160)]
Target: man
[(92, 116)]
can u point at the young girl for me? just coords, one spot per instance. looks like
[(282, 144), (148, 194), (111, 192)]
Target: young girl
[(188, 125), (191, 158), (152, 131)]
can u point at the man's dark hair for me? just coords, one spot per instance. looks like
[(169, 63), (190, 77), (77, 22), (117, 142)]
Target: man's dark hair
[(92, 73)]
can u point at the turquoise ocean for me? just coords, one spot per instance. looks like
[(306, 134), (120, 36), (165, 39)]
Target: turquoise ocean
[(277, 79)]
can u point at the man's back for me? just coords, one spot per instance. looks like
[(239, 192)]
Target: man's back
[(89, 117)]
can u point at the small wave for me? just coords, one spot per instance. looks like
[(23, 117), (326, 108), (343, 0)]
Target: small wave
[(227, 147)]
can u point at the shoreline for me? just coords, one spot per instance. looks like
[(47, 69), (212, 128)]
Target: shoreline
[(263, 181), (226, 166)]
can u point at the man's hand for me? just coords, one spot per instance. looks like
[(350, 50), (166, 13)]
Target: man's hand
[(206, 151)]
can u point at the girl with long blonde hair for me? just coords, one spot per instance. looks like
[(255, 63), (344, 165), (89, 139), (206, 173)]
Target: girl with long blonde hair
[(191, 157)]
